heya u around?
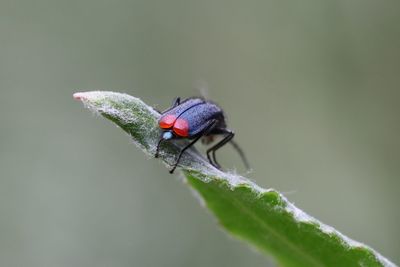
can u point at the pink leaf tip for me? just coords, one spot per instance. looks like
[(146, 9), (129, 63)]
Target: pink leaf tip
[(79, 96)]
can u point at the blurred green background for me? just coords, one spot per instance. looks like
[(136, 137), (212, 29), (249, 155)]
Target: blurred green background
[(310, 87)]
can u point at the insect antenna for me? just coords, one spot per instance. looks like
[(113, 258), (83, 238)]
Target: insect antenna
[(201, 87)]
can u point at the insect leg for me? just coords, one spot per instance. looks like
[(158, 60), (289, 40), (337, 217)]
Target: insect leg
[(158, 147), (229, 135), (206, 130), (241, 154), (227, 138), (177, 102)]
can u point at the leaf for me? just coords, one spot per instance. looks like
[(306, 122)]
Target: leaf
[(262, 217)]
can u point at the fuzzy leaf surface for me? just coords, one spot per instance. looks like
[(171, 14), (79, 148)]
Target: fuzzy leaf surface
[(262, 217)]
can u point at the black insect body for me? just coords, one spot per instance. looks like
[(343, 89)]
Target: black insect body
[(193, 119)]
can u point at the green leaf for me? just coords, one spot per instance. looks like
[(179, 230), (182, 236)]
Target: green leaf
[(262, 217)]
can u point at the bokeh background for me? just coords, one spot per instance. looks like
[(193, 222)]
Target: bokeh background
[(310, 87)]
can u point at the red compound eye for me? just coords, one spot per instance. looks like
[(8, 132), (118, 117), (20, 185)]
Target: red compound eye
[(181, 127), (167, 121)]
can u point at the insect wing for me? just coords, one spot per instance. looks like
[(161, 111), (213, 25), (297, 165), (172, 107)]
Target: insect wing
[(169, 116), (199, 116), (186, 104)]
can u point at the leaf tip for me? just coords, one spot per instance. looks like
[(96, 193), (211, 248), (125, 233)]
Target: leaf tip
[(79, 96)]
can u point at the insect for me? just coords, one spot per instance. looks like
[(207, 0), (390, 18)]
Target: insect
[(192, 119)]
